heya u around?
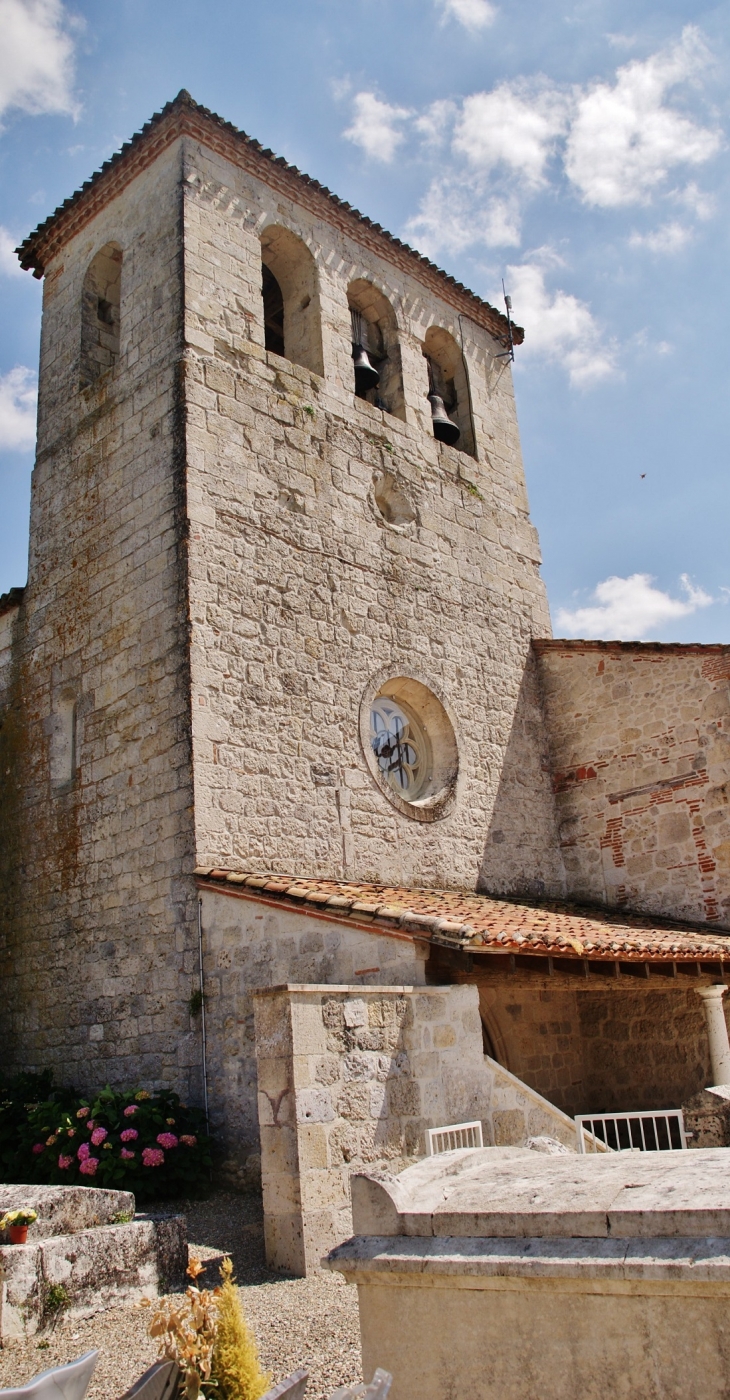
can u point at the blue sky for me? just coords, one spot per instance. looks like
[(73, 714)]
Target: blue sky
[(577, 150)]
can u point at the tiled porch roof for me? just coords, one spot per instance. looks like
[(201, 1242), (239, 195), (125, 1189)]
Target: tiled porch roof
[(480, 924)]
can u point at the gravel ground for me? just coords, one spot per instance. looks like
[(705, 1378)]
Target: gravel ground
[(310, 1322)]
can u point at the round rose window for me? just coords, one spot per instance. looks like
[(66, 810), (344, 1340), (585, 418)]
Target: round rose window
[(410, 747)]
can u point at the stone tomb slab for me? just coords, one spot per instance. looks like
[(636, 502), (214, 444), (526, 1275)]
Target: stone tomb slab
[(501, 1273)]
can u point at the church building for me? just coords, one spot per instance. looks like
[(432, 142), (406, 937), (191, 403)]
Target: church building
[(279, 701)]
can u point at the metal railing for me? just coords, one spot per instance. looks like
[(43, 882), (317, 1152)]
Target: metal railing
[(661, 1131), (456, 1135)]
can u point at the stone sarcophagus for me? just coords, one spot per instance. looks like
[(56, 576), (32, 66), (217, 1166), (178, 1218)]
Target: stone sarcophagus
[(499, 1273)]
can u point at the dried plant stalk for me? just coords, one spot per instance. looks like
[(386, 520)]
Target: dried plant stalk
[(186, 1331)]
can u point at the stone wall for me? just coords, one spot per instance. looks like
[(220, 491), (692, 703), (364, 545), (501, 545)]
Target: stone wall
[(600, 1048), (640, 749), (249, 945), (97, 913), (303, 594), (351, 1077)]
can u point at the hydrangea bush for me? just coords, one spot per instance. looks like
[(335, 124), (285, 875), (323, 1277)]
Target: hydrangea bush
[(150, 1144)]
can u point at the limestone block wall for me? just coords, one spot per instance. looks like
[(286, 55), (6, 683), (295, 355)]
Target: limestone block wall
[(600, 1047), (640, 748), (98, 940), (303, 595), (8, 619), (249, 945), (351, 1077)]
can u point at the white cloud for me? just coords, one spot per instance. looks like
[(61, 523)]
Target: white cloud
[(18, 398), (473, 14), (624, 140), (515, 125), (630, 609), (375, 126), (36, 57), (436, 120), (670, 238), (699, 203), (9, 264), (559, 327), (454, 216)]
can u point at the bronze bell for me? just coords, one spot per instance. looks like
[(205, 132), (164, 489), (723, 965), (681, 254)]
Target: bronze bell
[(443, 428), (366, 375)]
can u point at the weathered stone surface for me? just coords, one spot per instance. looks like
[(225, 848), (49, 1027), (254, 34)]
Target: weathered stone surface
[(393, 1075), (95, 1267), (494, 1274), (707, 1117), (638, 737), (64, 1210), (515, 1192)]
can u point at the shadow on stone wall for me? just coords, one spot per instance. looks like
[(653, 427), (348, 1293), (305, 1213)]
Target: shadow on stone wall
[(521, 851)]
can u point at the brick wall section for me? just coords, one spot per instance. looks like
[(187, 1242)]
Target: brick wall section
[(301, 594), (98, 935), (351, 1077), (640, 750)]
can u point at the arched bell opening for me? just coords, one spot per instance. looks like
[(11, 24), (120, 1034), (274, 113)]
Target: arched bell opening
[(377, 371), (448, 391), (290, 294), (101, 299)]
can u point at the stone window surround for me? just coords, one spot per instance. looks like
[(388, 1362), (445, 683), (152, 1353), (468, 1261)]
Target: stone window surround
[(441, 728)]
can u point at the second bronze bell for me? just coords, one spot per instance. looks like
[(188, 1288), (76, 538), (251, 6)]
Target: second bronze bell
[(443, 428)]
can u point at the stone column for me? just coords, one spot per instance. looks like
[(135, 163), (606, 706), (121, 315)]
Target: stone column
[(717, 1032)]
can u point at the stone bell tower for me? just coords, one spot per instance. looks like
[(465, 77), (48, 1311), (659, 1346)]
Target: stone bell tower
[(279, 613)]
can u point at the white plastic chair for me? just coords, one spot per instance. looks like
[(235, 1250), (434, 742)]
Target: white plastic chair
[(69, 1382)]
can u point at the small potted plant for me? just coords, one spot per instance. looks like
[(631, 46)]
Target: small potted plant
[(16, 1223)]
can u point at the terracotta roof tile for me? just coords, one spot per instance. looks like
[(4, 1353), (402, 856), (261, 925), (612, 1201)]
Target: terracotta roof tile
[(480, 924)]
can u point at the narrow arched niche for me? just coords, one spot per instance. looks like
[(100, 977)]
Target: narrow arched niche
[(374, 321), (290, 292), (448, 373), (100, 313)]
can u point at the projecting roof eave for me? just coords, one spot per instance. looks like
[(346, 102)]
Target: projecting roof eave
[(12, 599), (478, 924), (184, 116), (580, 644)]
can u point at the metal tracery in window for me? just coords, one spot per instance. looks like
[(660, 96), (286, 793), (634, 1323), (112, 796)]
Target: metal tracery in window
[(400, 747)]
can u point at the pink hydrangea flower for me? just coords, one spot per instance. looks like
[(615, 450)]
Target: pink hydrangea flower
[(189, 1139), (90, 1125), (64, 1162), (71, 1132), (167, 1140), (39, 1147), (130, 1109), (152, 1157), (126, 1154), (129, 1135), (88, 1166), (83, 1112), (98, 1135), (84, 1152)]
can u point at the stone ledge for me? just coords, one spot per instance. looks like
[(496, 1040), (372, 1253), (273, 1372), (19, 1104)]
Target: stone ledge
[(103, 1265), (65, 1210), (668, 1262)]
